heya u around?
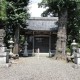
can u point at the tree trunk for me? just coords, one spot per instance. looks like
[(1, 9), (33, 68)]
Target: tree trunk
[(16, 41), (61, 36)]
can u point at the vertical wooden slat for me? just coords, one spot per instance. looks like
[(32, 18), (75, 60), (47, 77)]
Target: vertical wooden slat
[(50, 45), (33, 44)]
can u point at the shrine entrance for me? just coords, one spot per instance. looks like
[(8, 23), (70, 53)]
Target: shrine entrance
[(41, 44)]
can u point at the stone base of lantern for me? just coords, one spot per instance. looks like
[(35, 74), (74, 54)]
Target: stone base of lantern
[(4, 60), (78, 61), (77, 58), (25, 54), (14, 56)]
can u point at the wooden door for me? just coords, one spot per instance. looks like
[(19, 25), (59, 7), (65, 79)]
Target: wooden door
[(41, 44)]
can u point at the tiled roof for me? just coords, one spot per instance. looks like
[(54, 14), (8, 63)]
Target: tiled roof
[(42, 23)]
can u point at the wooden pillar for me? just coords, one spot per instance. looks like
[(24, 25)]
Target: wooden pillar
[(33, 44), (50, 45)]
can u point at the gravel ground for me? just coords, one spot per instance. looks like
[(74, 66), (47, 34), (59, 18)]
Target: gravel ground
[(40, 68)]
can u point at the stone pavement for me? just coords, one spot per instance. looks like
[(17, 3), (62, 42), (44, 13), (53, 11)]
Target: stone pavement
[(40, 68)]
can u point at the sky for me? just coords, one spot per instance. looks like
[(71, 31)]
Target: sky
[(33, 8)]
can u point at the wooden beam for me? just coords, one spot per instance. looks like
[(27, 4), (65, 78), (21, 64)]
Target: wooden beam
[(54, 32), (41, 35)]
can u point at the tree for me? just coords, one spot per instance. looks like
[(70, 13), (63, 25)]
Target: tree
[(68, 14), (2, 12), (73, 22), (16, 19)]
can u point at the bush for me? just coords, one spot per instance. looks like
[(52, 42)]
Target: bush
[(79, 45), (68, 51)]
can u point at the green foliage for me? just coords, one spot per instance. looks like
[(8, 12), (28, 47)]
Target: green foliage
[(3, 15), (79, 45), (22, 39), (16, 15), (73, 23), (2, 9), (68, 50)]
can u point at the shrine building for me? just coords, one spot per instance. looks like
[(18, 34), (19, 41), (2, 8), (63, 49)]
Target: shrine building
[(42, 34)]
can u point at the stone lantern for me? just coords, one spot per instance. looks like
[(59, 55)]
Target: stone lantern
[(4, 57), (74, 47), (75, 53), (25, 49), (11, 46)]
